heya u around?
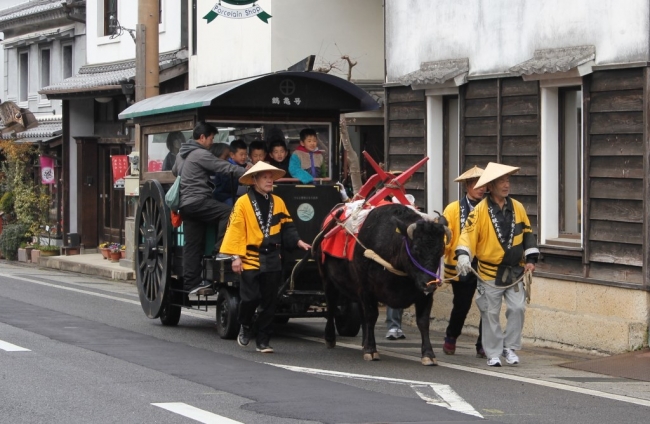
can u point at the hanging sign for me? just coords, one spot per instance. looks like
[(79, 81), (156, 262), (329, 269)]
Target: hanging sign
[(239, 13), (120, 164), (47, 170)]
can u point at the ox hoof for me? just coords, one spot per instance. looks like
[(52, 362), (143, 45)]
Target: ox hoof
[(429, 362), (371, 356), (330, 345)]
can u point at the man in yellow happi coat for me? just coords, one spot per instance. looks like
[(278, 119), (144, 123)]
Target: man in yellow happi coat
[(258, 227), (498, 233)]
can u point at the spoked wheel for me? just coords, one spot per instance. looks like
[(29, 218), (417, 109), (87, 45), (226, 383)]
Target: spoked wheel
[(153, 239), (227, 309), (348, 319)]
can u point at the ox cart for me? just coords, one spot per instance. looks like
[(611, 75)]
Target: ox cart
[(251, 109), (158, 262)]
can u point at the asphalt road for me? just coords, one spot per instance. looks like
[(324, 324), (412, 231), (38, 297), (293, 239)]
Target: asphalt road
[(90, 355)]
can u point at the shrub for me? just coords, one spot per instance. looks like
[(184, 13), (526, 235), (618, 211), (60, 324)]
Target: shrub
[(10, 239), (7, 203), (48, 248)]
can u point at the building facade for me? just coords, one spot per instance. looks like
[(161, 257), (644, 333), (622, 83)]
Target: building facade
[(92, 99), (559, 89)]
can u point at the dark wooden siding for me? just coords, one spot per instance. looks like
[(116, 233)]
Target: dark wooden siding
[(500, 123), (406, 134), (615, 171)]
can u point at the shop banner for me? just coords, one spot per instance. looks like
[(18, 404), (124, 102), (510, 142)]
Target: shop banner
[(47, 170), (120, 165), (248, 12)]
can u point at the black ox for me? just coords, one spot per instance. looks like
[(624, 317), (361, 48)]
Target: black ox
[(410, 244)]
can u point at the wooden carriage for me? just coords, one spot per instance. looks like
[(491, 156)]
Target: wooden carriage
[(250, 109)]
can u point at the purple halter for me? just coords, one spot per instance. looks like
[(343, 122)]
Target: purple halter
[(417, 264)]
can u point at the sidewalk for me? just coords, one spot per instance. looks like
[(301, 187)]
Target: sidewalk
[(545, 366), (91, 264)]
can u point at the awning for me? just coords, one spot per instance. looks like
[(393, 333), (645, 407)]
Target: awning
[(284, 90), (438, 73), (575, 61)]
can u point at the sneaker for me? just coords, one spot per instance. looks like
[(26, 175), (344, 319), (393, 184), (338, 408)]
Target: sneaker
[(244, 336), (511, 357), (480, 353), (449, 347), (395, 333), (494, 362), (203, 289), (264, 348)]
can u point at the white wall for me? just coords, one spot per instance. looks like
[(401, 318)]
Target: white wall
[(101, 49), (229, 49), (498, 34), (5, 4)]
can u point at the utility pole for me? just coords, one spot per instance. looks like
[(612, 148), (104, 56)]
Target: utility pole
[(147, 78)]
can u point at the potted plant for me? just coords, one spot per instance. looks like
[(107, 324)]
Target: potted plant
[(104, 249), (36, 253), (123, 251), (114, 252), (48, 250), (25, 252)]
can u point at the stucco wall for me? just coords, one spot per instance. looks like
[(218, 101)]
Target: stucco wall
[(229, 49), (498, 34), (104, 50)]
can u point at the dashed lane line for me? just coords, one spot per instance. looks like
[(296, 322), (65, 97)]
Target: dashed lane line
[(195, 414)]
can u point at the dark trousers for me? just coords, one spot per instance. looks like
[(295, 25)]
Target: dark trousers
[(196, 218), (259, 291), (463, 296)]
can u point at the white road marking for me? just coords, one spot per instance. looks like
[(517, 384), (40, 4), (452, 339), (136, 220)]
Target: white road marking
[(550, 384), (8, 347), (195, 413), (446, 397), (544, 383)]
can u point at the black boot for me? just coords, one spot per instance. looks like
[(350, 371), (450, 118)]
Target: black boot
[(244, 336)]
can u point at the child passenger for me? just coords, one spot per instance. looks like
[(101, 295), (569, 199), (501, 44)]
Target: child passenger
[(226, 189), (306, 161), (257, 151), (279, 155)]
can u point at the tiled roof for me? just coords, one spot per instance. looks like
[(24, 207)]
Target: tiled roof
[(437, 72), (29, 8), (48, 127), (555, 60), (108, 74)]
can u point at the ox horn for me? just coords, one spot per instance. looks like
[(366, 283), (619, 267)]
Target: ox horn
[(447, 234), (410, 229)]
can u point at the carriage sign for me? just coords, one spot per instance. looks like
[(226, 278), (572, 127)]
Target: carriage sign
[(243, 12)]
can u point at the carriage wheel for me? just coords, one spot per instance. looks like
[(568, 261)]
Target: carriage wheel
[(227, 309), (170, 314), (348, 319), (153, 239)]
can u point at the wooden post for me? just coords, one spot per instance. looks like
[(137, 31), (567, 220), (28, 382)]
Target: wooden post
[(149, 16)]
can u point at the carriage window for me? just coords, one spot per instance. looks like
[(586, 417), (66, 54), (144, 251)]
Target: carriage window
[(162, 149), (267, 132)]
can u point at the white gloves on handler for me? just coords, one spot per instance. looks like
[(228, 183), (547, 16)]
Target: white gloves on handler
[(344, 195), (463, 266)]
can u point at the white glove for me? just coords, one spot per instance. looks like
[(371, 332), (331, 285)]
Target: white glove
[(342, 192), (463, 266)]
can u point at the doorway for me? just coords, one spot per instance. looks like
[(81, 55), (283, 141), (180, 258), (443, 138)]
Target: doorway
[(111, 210)]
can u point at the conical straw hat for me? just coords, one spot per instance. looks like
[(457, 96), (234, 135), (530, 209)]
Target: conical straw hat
[(248, 177), (470, 174), (493, 171)]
